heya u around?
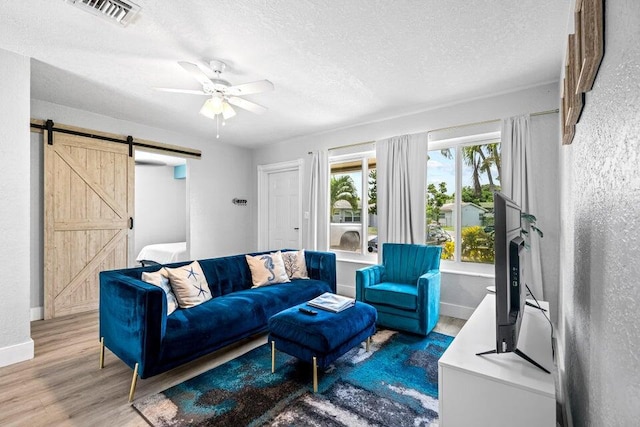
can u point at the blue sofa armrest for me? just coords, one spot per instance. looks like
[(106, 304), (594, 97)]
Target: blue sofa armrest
[(367, 277), (321, 266), (429, 297), (133, 319)]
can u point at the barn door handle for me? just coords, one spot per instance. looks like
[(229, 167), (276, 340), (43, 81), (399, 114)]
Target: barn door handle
[(296, 228), (130, 223)]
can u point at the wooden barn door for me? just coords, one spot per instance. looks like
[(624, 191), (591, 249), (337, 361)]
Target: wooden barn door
[(88, 192)]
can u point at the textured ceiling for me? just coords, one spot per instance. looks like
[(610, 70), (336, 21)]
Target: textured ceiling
[(334, 63)]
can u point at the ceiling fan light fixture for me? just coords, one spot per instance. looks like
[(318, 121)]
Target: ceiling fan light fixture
[(206, 111), (212, 107), (216, 104), (227, 111)]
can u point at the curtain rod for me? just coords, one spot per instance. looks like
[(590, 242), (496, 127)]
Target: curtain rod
[(539, 113), (347, 146)]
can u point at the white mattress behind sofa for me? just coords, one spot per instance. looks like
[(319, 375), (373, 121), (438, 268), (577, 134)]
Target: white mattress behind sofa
[(164, 253)]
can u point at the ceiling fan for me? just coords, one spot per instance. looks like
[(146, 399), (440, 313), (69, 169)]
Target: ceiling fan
[(222, 95)]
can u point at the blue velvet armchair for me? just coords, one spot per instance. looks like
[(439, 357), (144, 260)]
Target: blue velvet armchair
[(405, 289)]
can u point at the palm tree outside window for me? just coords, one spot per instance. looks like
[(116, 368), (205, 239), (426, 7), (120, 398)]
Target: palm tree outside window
[(462, 175), (352, 209)]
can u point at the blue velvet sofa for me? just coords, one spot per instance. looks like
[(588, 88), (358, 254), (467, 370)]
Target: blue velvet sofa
[(405, 289), (133, 314)]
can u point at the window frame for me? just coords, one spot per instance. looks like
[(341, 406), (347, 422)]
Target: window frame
[(457, 265), (343, 255)]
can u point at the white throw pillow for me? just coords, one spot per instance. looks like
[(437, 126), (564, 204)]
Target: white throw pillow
[(267, 269), (189, 285), (160, 279), (295, 264)]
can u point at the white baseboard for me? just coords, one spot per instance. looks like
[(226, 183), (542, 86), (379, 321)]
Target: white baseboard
[(37, 313), (347, 291), (446, 309), (561, 386), (457, 311), (16, 353)]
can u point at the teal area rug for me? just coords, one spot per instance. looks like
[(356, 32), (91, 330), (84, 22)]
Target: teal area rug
[(394, 384)]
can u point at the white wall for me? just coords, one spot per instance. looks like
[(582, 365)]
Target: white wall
[(460, 294), (15, 331), (600, 268), (546, 165), (161, 207), (217, 227), (221, 228)]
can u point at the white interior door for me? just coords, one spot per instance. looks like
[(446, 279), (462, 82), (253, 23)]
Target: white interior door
[(283, 210)]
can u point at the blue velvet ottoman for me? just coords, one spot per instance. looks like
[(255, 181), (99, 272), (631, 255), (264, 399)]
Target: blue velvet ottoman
[(322, 338)]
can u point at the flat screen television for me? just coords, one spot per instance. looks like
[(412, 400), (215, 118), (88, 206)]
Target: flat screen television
[(510, 288), (510, 295)]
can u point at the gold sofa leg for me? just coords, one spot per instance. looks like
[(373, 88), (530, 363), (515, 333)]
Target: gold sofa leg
[(315, 375), (101, 352), (134, 381), (368, 344), (273, 356)]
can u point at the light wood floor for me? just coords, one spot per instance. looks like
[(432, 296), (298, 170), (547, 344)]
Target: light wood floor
[(63, 384)]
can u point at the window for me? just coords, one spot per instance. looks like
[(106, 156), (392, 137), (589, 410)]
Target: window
[(462, 174), (352, 204)]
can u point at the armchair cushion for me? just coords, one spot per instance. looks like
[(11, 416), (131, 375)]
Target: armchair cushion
[(399, 295)]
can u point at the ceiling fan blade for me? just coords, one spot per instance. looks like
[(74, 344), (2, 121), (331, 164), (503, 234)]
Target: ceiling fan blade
[(249, 88), (189, 91), (247, 105), (196, 72)]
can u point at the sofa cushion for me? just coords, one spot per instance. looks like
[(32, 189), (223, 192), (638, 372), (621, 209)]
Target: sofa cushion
[(227, 274), (189, 285), (275, 298), (295, 265), (398, 295), (160, 279), (225, 319), (267, 269), (209, 326)]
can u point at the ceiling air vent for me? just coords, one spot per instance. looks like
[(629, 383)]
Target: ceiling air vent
[(112, 10)]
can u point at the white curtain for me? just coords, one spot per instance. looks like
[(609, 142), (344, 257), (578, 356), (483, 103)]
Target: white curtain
[(317, 225), (401, 164), (517, 183)]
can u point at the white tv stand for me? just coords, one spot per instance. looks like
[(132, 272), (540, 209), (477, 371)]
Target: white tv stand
[(497, 389)]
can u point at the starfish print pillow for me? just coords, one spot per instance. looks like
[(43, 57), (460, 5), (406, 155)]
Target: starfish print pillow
[(267, 269), (189, 285)]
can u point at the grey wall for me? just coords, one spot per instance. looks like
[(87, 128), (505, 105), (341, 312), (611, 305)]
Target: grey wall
[(600, 268), (15, 341), (161, 207), (461, 292), (37, 226)]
